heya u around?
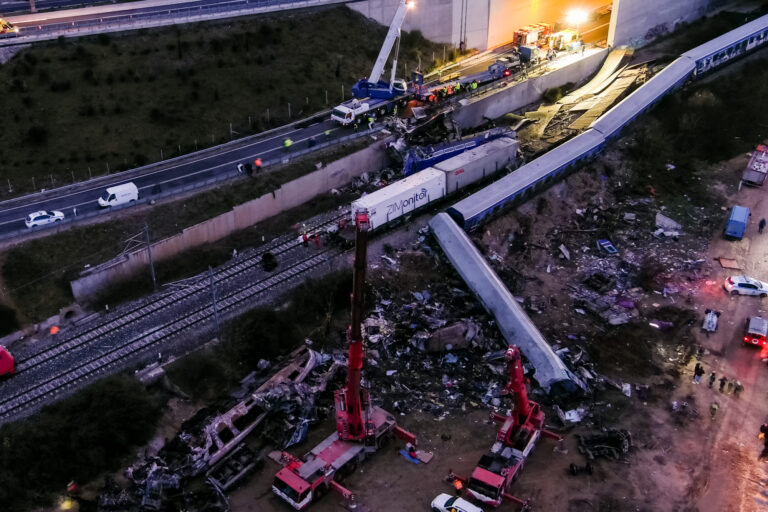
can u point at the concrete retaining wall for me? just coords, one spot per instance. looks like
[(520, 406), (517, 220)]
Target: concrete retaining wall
[(500, 102), (438, 20), (636, 22), (289, 195)]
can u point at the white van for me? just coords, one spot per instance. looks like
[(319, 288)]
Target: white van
[(119, 194)]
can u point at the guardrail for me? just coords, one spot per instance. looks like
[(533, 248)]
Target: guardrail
[(169, 16), (158, 193), (137, 172)]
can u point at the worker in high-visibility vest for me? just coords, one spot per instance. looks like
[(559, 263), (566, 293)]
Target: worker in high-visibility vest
[(370, 123), (458, 87), (257, 163), (327, 134), (287, 143), (474, 84), (394, 110)]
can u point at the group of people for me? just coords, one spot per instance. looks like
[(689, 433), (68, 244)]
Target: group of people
[(727, 385)]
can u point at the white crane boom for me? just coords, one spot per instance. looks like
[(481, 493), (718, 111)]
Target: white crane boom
[(386, 48)]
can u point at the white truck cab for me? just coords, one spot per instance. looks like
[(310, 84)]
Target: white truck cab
[(349, 111)]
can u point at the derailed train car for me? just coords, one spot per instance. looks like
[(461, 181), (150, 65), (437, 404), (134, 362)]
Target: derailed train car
[(434, 183), (518, 186)]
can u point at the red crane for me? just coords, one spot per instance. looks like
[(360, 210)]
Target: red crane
[(515, 440), (361, 428), (351, 400)]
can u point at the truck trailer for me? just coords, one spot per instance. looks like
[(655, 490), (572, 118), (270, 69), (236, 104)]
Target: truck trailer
[(757, 168)]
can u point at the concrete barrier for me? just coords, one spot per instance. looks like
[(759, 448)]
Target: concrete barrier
[(498, 102), (294, 193)]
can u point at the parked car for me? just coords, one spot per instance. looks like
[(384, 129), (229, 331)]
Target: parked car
[(756, 331), (43, 217), (743, 285), (448, 503)]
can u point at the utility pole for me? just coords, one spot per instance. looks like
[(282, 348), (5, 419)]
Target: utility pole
[(215, 309), (149, 253), (32, 6)]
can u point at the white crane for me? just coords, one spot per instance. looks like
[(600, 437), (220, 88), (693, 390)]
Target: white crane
[(371, 87)]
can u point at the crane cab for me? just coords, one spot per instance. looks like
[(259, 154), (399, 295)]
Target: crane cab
[(7, 364)]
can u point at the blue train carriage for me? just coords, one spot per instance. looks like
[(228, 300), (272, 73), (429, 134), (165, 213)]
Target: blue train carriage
[(616, 119), (731, 45), (522, 183)]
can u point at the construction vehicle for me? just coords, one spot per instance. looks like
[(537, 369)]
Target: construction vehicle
[(372, 94), (6, 26), (361, 428), (7, 364), (515, 440)]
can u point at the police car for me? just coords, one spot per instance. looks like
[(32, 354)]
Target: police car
[(743, 285), (448, 503), (43, 217)]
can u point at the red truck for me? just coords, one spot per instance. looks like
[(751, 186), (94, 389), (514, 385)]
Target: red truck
[(515, 440)]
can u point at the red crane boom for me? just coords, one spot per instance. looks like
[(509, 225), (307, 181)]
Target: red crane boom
[(353, 400)]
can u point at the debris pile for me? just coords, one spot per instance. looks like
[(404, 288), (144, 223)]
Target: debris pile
[(610, 443), (279, 407)]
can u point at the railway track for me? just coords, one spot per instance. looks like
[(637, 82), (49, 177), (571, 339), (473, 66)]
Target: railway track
[(92, 362), (200, 287)]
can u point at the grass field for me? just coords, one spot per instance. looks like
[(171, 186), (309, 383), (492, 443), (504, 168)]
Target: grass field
[(73, 109)]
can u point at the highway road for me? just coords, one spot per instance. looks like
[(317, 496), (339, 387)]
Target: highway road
[(172, 11), (209, 164)]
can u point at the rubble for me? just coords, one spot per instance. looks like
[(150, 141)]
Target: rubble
[(610, 443)]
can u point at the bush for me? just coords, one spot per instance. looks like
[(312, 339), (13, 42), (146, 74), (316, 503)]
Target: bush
[(37, 135), (78, 438), (8, 322)]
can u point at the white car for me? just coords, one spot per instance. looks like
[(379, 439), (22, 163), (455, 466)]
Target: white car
[(43, 217), (448, 503), (743, 285)]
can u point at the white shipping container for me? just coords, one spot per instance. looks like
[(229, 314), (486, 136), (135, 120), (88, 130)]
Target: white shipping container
[(401, 197)]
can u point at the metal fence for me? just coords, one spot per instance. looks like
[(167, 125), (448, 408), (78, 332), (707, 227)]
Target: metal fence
[(171, 191), (160, 17)]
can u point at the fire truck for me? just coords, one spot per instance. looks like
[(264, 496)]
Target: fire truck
[(7, 365), (361, 428), (5, 27), (515, 440)]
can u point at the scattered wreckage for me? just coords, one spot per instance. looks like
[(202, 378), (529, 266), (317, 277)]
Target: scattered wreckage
[(215, 451)]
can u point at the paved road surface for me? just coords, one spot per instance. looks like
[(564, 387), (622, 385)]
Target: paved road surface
[(84, 198)]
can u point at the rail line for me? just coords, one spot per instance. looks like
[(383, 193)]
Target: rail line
[(66, 378), (88, 366), (222, 274)]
